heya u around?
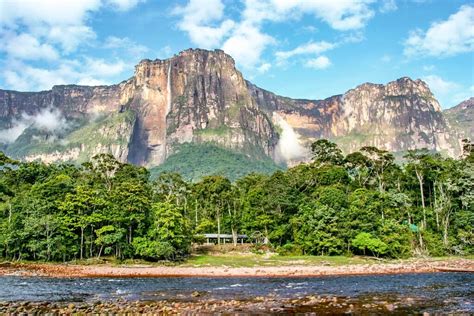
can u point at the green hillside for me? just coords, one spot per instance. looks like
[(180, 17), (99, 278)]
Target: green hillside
[(194, 161)]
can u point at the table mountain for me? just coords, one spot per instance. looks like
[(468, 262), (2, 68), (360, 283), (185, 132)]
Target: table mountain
[(198, 96)]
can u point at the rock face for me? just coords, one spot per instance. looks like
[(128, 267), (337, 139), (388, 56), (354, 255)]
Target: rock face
[(461, 117), (199, 96)]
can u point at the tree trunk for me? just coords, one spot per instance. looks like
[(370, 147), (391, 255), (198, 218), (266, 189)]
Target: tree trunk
[(234, 236), (445, 230), (196, 214), (420, 182), (218, 229), (82, 242), (100, 251)]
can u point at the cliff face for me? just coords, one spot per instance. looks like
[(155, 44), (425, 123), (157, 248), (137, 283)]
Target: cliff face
[(199, 96), (461, 117)]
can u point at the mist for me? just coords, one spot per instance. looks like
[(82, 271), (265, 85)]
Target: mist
[(48, 119), (289, 145)]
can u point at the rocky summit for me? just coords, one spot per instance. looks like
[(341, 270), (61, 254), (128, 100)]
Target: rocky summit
[(198, 96)]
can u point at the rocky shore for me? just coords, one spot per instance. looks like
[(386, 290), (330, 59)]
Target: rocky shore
[(320, 305), (105, 270)]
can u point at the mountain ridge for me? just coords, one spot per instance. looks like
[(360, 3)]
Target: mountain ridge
[(199, 96)]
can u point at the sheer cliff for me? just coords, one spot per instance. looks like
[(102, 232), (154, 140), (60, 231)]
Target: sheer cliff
[(461, 117), (198, 96)]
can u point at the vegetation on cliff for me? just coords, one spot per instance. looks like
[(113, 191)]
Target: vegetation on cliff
[(362, 203), (195, 161)]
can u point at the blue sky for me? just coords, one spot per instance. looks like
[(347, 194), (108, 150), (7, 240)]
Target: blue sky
[(297, 48)]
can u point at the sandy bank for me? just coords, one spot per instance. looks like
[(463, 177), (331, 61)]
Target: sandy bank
[(68, 270)]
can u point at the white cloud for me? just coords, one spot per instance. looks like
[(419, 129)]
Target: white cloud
[(206, 25), (53, 31), (308, 48), (446, 38), (101, 68), (134, 49), (340, 15), (48, 119), (198, 17), (388, 6), (439, 86), (9, 135), (247, 44), (263, 68), (448, 93), (164, 52), (26, 47), (321, 62), (70, 37), (124, 5), (51, 25), (47, 12), (24, 77)]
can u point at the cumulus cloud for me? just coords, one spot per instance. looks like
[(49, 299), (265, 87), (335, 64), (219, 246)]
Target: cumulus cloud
[(449, 93), (438, 85), (247, 44), (340, 15), (445, 38), (90, 71), (321, 62), (205, 23), (27, 47), (50, 32), (200, 19), (49, 119), (308, 48), (388, 6)]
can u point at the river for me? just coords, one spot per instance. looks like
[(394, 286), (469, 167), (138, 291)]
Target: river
[(429, 292)]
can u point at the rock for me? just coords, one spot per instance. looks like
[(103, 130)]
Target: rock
[(195, 294), (199, 96), (389, 307)]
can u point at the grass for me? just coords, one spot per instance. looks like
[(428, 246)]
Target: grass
[(256, 260)]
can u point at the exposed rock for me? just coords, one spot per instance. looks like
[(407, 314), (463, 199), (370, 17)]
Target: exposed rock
[(461, 117), (199, 96)]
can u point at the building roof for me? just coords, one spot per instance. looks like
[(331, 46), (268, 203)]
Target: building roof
[(222, 236)]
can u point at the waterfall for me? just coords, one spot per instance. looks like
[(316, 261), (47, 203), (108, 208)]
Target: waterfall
[(168, 89)]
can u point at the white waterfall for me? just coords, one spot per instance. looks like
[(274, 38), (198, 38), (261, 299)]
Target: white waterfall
[(168, 89), (289, 145)]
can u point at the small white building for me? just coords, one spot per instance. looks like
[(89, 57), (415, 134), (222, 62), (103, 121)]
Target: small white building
[(224, 238)]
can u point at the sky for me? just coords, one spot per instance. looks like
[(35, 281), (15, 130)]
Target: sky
[(308, 49)]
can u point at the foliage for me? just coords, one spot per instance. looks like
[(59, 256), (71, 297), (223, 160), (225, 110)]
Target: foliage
[(363, 203), (194, 161)]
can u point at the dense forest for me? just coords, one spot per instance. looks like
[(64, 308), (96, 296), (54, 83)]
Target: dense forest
[(362, 203)]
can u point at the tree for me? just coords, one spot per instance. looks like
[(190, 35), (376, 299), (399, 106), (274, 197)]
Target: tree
[(326, 152), (170, 233), (379, 162), (365, 241)]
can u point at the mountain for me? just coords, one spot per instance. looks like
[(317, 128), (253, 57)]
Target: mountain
[(199, 97), (461, 117)]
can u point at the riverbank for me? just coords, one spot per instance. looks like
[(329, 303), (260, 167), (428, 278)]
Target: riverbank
[(285, 268), (268, 305)]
